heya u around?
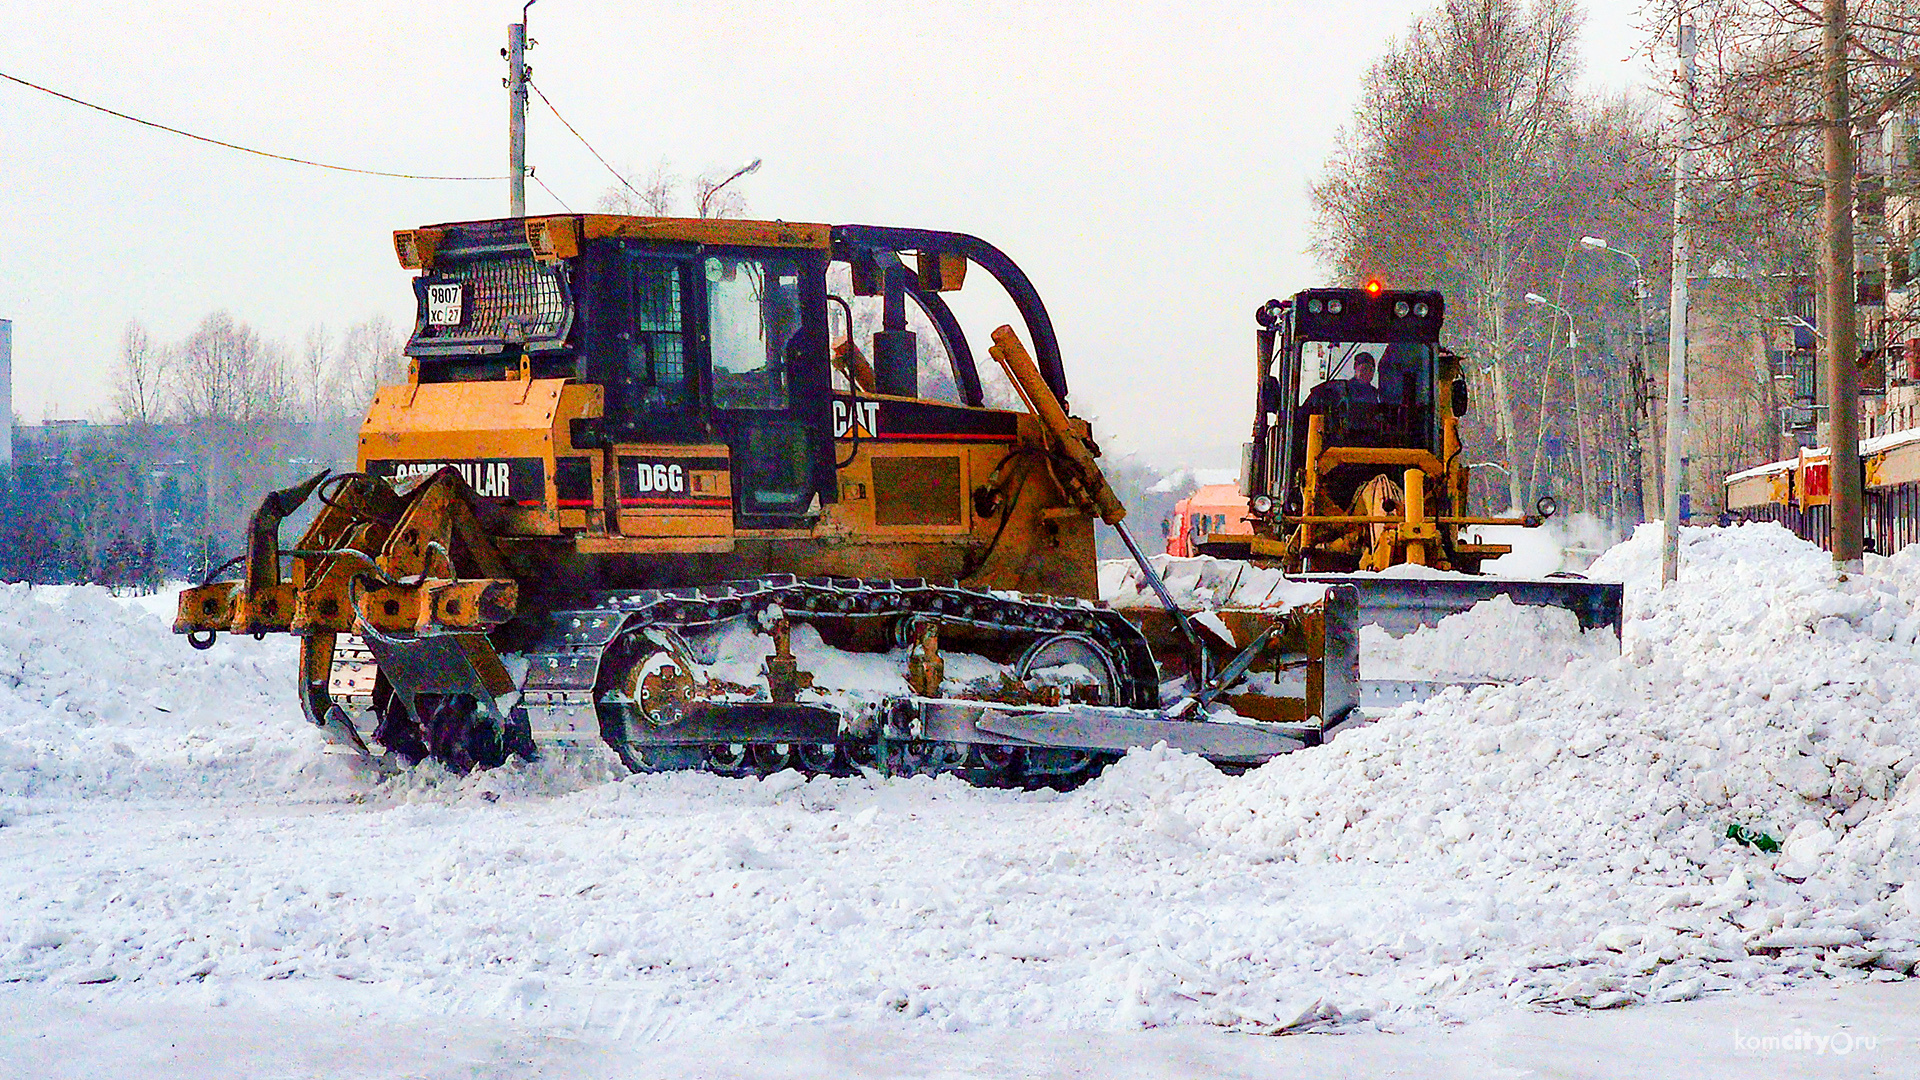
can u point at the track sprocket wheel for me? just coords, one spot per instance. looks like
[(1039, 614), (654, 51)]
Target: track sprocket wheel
[(1076, 664), (660, 688)]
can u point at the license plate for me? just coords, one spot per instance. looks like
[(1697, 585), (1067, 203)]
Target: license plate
[(443, 304)]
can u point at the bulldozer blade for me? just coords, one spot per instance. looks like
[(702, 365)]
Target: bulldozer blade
[(1089, 727), (1402, 605), (742, 722)]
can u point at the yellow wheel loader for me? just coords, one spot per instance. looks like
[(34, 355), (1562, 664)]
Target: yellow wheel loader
[(730, 495), (1355, 465)]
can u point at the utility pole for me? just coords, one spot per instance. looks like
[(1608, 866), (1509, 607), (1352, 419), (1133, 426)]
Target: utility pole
[(1637, 407), (1636, 376), (516, 54), (1843, 412), (1677, 320)]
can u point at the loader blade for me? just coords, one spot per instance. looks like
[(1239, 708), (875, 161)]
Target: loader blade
[(1402, 605)]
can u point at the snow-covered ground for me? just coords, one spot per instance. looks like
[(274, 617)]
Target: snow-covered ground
[(1518, 877)]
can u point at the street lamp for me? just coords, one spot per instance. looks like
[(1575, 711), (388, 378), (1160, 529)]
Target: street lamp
[(1573, 371), (1795, 320), (1573, 333), (706, 199), (1638, 375)]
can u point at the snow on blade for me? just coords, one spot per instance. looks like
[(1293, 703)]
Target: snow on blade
[(1495, 640)]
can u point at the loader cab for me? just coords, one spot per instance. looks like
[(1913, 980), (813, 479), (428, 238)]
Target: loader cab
[(1368, 363)]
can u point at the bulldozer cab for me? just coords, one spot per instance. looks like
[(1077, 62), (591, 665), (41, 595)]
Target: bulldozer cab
[(742, 335), (1367, 364), (664, 387)]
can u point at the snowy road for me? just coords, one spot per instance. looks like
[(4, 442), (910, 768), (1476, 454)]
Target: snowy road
[(289, 1029), (183, 872), (691, 903)]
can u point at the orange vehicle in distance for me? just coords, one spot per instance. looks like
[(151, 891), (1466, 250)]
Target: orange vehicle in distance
[(1213, 510)]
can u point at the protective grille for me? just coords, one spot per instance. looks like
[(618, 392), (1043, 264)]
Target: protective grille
[(504, 300), (656, 321)]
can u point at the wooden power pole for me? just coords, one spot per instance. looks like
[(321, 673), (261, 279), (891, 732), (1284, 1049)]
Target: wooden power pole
[(1836, 257)]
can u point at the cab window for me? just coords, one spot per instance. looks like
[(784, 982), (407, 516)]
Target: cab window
[(753, 313)]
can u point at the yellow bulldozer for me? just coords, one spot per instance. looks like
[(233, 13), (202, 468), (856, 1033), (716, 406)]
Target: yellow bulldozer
[(730, 495), (1354, 466)]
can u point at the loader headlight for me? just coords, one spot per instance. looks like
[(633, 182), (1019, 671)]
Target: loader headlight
[(1262, 504), (1545, 506), (1420, 309), (1313, 305), (1334, 306), (1401, 307)]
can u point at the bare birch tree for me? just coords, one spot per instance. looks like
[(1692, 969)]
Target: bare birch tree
[(654, 195), (658, 194), (1449, 170), (225, 374), (140, 378), (370, 356), (316, 362)]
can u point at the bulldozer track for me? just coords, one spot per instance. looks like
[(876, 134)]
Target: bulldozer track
[(568, 657), (577, 652)]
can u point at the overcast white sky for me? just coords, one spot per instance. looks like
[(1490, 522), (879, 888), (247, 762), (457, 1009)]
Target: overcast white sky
[(1147, 164)]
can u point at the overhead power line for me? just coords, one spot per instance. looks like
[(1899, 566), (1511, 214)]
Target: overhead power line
[(582, 138), (549, 191), (234, 146)]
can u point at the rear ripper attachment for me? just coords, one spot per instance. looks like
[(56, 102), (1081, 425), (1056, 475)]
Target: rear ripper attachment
[(698, 489), (417, 581)]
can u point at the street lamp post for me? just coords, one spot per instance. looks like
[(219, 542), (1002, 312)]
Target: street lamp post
[(1573, 371), (706, 198), (1637, 375), (1812, 394), (1795, 320)]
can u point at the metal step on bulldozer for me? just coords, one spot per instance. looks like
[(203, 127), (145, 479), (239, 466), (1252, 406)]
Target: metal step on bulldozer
[(1354, 471), (730, 495)]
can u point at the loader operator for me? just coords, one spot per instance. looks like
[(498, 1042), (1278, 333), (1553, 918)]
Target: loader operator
[(1355, 416), (1353, 402)]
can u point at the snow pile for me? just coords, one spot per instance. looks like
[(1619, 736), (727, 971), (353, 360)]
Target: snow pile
[(1591, 809), (1537, 551), (1561, 841), (1495, 640), (98, 697)]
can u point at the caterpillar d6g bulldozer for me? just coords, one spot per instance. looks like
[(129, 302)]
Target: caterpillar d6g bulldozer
[(701, 489), (1355, 468)]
